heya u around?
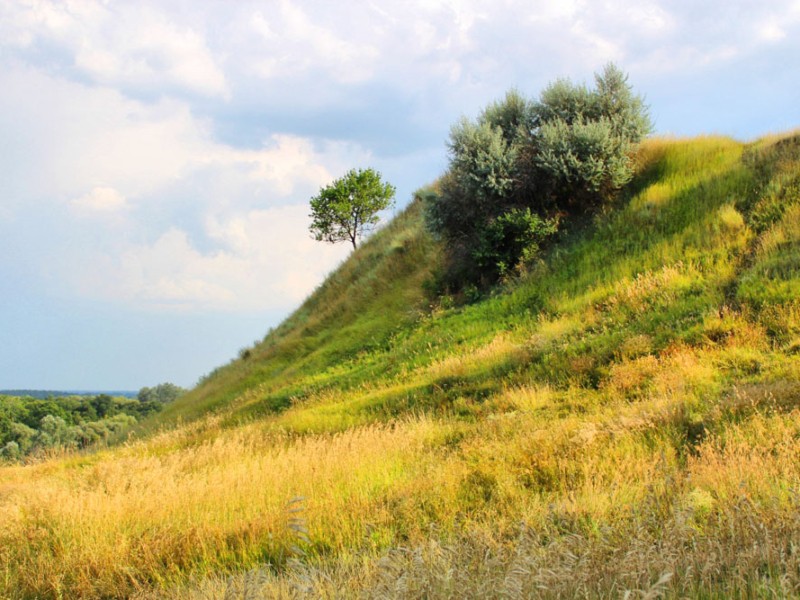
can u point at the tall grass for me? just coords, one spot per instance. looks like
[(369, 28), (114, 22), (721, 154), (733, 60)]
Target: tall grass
[(622, 418), (154, 514)]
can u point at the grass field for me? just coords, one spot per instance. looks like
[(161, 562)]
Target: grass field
[(623, 417)]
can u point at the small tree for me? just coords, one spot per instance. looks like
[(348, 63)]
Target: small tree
[(346, 209)]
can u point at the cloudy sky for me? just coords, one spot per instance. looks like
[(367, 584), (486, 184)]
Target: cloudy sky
[(157, 157)]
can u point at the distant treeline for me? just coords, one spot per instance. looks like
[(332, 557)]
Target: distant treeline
[(63, 393), (32, 425)]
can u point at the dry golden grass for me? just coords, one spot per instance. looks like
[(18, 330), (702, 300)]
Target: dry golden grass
[(111, 524), (758, 459), (591, 474), (723, 526), (649, 288)]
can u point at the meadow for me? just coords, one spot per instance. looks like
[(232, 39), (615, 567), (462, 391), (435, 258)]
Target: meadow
[(620, 419)]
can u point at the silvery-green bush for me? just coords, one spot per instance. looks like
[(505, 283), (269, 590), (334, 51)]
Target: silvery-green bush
[(563, 154)]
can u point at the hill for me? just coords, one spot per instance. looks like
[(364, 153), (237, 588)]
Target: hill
[(623, 416)]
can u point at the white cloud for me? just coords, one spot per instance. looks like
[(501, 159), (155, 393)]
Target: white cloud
[(170, 273), (133, 46), (707, 35), (285, 161), (602, 49), (265, 258), (65, 137), (101, 199), (197, 224), (771, 31), (293, 43), (549, 12)]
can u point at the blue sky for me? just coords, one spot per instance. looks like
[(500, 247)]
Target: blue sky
[(158, 157)]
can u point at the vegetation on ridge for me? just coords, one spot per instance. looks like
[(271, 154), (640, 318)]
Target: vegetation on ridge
[(348, 208), (524, 165)]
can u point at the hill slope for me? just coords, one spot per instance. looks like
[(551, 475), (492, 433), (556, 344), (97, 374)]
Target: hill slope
[(622, 417)]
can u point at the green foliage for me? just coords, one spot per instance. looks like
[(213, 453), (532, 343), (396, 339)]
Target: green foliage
[(512, 239), (581, 162), (565, 101), (482, 164), (348, 208), (479, 184), (19, 440), (616, 102), (564, 154), (513, 116), (482, 183), (95, 432), (612, 99), (162, 393), (30, 426), (481, 180), (583, 139), (54, 432)]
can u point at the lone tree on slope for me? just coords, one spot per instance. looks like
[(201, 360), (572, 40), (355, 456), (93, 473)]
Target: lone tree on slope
[(346, 209)]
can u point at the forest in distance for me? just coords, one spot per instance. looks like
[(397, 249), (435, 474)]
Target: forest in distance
[(42, 394), (34, 422)]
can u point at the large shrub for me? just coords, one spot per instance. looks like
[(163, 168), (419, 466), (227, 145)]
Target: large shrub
[(565, 153), (579, 164), (481, 184)]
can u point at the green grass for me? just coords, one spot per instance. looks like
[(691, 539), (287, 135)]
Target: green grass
[(329, 340), (666, 256)]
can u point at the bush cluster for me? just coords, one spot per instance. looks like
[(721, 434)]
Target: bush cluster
[(523, 165)]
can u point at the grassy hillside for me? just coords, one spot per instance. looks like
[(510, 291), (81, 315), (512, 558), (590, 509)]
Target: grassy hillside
[(324, 343), (625, 416)]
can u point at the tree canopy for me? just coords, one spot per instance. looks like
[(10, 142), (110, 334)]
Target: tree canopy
[(348, 208), (34, 425)]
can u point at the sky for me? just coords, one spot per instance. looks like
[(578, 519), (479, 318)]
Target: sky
[(157, 158)]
